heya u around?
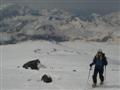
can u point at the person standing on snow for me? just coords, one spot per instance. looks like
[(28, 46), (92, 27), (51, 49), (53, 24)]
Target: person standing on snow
[(99, 61)]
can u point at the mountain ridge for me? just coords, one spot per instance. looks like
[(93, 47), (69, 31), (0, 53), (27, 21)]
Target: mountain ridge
[(24, 23)]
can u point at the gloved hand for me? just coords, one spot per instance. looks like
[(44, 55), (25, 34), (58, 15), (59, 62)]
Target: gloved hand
[(90, 65)]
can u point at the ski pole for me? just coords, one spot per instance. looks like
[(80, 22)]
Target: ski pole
[(105, 73), (88, 78), (89, 74)]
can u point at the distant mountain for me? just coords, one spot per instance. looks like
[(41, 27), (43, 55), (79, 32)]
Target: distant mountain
[(21, 23), (11, 10)]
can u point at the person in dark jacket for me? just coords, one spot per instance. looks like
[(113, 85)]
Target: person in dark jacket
[(99, 61)]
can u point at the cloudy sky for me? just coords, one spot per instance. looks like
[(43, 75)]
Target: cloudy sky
[(77, 6)]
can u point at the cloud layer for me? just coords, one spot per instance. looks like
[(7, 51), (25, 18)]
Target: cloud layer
[(84, 6)]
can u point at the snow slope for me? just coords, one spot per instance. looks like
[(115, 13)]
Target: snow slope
[(67, 63)]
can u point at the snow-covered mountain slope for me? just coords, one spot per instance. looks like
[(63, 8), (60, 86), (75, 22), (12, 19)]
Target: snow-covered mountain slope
[(19, 23), (67, 63)]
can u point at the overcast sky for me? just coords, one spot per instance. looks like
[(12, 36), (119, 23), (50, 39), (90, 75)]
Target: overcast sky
[(78, 6)]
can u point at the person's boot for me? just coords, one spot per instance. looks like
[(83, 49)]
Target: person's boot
[(94, 85), (101, 83)]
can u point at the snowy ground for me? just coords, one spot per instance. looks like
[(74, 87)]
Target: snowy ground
[(61, 60)]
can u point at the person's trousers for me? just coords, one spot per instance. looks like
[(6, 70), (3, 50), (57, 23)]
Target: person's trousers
[(96, 71)]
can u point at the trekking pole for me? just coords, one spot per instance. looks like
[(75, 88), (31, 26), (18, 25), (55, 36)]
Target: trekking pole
[(105, 73), (89, 74), (88, 78)]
